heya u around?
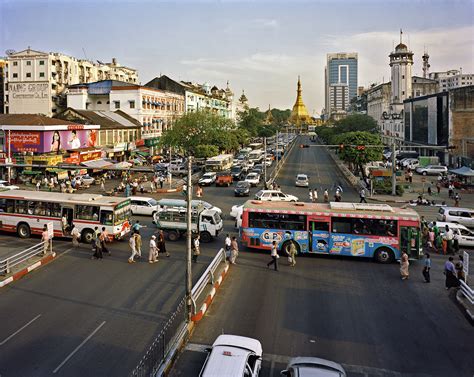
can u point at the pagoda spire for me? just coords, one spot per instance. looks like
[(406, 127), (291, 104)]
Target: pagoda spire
[(299, 114)]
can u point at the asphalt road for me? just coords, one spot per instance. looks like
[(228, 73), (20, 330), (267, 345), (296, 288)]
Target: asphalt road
[(352, 311)]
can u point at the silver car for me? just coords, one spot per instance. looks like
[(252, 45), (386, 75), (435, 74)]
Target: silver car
[(313, 367), (302, 180), (432, 170)]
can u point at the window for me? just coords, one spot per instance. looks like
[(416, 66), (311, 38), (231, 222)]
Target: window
[(28, 74), (132, 104), (41, 74), (15, 75), (28, 62), (277, 221), (403, 76), (41, 62), (106, 218), (21, 206), (342, 226), (54, 210), (15, 64), (117, 104), (321, 226), (99, 102), (7, 205), (84, 212), (370, 227)]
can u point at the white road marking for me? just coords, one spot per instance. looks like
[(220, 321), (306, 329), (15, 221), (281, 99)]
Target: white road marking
[(19, 330), (78, 347)]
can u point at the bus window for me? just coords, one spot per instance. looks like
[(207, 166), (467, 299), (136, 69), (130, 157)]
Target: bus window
[(84, 212), (7, 205), (341, 225), (321, 226), (55, 210), (106, 217), (21, 206)]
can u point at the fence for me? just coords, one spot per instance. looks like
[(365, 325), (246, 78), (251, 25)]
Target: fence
[(162, 344), (280, 164), (207, 277), (467, 292), (7, 264)]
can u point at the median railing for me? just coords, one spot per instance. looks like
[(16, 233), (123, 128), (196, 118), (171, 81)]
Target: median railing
[(208, 277), (8, 263), (467, 291)]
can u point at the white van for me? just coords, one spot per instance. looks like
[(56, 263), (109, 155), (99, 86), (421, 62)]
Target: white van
[(233, 356), (464, 216), (180, 203), (466, 236)]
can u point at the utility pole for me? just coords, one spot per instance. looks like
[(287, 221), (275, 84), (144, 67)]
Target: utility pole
[(265, 162), (170, 177), (276, 150), (9, 169), (394, 170), (189, 281)]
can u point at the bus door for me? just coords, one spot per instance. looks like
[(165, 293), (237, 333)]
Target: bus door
[(410, 241), (318, 230), (68, 212)]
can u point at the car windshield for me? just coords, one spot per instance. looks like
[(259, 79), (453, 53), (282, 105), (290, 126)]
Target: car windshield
[(152, 202), (252, 175), (208, 175), (301, 178), (242, 184), (235, 169)]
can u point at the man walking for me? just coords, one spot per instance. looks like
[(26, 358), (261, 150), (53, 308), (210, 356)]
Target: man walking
[(227, 246), (153, 253), (132, 243), (457, 198), (45, 239), (96, 245), (138, 245), (362, 196), (449, 235), (315, 195), (196, 248), (137, 226), (326, 196), (274, 255), (427, 268), (234, 250), (104, 237)]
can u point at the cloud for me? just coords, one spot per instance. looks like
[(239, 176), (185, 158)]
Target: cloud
[(265, 23)]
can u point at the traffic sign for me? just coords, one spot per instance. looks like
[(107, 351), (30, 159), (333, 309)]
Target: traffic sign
[(50, 227)]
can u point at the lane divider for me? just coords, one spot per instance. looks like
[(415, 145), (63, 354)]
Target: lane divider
[(207, 302), (18, 275)]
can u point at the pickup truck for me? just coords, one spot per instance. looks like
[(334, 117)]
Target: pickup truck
[(224, 179)]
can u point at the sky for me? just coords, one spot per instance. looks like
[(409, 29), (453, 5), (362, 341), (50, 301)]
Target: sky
[(259, 46)]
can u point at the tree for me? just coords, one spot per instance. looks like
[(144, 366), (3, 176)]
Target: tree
[(355, 122), (200, 133), (251, 120), (356, 151)]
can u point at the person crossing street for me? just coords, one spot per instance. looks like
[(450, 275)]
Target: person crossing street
[(153, 253)]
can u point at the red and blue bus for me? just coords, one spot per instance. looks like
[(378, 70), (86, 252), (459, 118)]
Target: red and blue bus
[(376, 231)]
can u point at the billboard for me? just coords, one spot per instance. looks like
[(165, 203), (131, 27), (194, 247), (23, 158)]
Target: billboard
[(50, 141)]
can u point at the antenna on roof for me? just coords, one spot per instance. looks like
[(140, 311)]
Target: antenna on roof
[(84, 51)]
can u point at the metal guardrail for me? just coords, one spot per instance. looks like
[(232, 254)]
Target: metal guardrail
[(162, 344), (281, 162), (7, 264), (467, 291), (207, 277)]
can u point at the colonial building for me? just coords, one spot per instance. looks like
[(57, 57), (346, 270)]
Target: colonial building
[(3, 75), (198, 97), (451, 79), (37, 80), (154, 109), (299, 114), (378, 102)]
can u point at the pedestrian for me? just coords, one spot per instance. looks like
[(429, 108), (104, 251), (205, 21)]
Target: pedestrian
[(75, 236), (404, 266), (132, 243), (138, 245), (427, 268), (196, 248), (199, 191), (142, 189), (234, 250), (291, 251), (96, 245), (38, 186), (153, 252), (45, 239), (410, 176), (438, 187), (362, 196), (102, 186), (456, 238), (450, 273), (337, 196), (457, 198), (459, 268), (431, 240), (127, 190), (162, 244), (162, 180), (429, 189), (326, 196), (134, 187), (227, 245), (449, 240), (137, 226), (274, 255), (310, 195), (315, 195), (450, 190), (104, 238)]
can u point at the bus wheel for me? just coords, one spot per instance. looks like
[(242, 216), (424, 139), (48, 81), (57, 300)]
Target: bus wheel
[(384, 255), (173, 235), (23, 230), (206, 237), (87, 235)]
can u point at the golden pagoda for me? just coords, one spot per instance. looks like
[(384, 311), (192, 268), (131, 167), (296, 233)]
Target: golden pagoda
[(299, 114), (269, 116)]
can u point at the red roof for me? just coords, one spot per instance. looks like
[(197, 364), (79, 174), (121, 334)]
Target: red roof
[(31, 120)]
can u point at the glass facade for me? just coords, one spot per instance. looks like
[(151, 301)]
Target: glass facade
[(344, 71)]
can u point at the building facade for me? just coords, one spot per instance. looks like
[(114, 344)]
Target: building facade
[(37, 80), (378, 102), (451, 79), (461, 136), (341, 80), (3, 76), (154, 109)]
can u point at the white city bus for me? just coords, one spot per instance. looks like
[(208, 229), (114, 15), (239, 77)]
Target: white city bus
[(219, 163), (26, 212)]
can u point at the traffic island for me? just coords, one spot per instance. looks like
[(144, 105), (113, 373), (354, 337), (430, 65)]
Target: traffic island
[(24, 268)]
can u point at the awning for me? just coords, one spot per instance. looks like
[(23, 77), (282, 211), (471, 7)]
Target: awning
[(31, 172), (122, 165), (97, 164), (463, 171), (142, 153)]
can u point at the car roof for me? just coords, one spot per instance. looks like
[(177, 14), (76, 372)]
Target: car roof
[(243, 342), (326, 368), (140, 198), (441, 224), (457, 209), (302, 175)]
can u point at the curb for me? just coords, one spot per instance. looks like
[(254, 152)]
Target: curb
[(389, 200), (460, 301), (207, 302), (18, 275)]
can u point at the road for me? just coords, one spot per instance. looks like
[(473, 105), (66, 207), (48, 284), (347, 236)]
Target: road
[(352, 311)]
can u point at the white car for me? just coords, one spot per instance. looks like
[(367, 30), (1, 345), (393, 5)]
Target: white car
[(233, 356), (207, 179), (141, 205), (464, 216), (466, 236), (432, 170), (275, 196), (302, 180), (5, 185), (86, 179), (313, 367), (253, 179)]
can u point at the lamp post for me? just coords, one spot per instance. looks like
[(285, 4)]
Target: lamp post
[(189, 282)]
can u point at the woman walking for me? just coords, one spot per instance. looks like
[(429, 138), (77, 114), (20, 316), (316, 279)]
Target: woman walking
[(450, 273), (404, 266), (274, 255), (234, 250), (161, 243)]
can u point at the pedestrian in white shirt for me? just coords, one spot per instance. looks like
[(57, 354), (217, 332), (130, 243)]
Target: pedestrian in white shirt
[(153, 253), (227, 245), (274, 255), (132, 243)]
